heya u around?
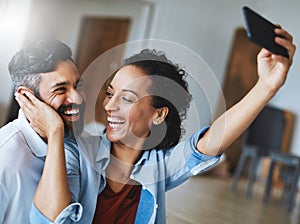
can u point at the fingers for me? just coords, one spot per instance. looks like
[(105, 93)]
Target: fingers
[(264, 53), (27, 100), (285, 39), (32, 98), (283, 33), (25, 104), (23, 101)]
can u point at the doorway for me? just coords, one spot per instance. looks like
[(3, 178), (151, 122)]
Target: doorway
[(240, 77), (97, 36)]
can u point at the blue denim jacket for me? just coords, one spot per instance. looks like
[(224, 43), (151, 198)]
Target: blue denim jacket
[(157, 170)]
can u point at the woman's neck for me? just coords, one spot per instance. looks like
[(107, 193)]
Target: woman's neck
[(121, 163), (125, 154)]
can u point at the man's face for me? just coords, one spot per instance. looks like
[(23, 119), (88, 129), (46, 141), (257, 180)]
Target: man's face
[(62, 89)]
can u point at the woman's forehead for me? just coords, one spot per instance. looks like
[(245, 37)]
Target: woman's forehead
[(131, 77)]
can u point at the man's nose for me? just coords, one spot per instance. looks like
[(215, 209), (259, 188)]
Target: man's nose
[(75, 97)]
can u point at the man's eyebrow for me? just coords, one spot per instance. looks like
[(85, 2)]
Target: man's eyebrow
[(66, 83), (60, 84), (125, 90)]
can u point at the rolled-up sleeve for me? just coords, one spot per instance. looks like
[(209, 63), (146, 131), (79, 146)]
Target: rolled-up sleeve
[(71, 213), (185, 161), (198, 162)]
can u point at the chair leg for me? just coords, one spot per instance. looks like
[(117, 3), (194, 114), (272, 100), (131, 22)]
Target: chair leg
[(285, 193), (269, 181), (238, 171), (294, 188), (252, 175)]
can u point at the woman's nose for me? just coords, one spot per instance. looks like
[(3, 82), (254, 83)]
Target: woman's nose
[(110, 103)]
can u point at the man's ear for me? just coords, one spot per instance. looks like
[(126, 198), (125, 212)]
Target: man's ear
[(23, 89), (161, 114)]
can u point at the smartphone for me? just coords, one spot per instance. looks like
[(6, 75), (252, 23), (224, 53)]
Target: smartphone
[(261, 32)]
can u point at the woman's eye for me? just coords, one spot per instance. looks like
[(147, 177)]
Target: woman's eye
[(127, 99)]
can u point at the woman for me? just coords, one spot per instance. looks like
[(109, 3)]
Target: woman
[(141, 157)]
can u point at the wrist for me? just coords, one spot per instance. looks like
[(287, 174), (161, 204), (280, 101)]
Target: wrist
[(264, 90), (56, 132)]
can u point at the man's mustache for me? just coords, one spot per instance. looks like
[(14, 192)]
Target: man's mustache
[(62, 108)]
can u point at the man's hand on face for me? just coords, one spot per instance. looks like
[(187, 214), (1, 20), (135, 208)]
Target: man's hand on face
[(43, 118)]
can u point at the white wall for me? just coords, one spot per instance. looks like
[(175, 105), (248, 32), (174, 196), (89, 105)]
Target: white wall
[(14, 15), (204, 26), (61, 19), (207, 28)]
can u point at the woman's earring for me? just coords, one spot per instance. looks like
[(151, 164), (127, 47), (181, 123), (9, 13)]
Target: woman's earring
[(156, 121)]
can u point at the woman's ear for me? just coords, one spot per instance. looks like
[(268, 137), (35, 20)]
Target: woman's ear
[(161, 114)]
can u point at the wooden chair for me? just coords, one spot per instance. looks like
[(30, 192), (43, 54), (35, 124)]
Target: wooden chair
[(291, 177), (268, 133)]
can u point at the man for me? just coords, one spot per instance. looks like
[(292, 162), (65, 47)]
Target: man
[(46, 69)]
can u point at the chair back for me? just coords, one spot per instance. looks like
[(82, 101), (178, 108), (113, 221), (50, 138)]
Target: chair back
[(267, 130)]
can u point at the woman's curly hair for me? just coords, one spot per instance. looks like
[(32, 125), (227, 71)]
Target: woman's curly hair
[(169, 89)]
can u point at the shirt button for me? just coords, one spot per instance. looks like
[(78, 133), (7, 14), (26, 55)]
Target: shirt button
[(131, 176), (156, 206)]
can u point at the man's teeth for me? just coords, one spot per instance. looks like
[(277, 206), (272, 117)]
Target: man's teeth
[(71, 112)]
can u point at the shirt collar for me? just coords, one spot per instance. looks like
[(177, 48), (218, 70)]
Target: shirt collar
[(104, 152), (34, 141), (95, 149)]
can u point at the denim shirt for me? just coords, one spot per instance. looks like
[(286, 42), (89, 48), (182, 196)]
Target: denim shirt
[(157, 170)]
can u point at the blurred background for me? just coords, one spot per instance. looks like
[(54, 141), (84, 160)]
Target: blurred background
[(213, 29)]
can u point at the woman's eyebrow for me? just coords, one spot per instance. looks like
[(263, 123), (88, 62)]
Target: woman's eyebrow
[(126, 90)]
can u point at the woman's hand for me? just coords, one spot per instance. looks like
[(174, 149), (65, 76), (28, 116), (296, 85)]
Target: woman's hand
[(43, 118), (273, 69)]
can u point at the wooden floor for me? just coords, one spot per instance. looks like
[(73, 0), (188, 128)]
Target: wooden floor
[(208, 200)]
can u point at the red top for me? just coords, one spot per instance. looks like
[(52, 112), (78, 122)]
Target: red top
[(117, 208)]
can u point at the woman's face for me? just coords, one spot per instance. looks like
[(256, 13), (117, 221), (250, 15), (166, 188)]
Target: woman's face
[(128, 107)]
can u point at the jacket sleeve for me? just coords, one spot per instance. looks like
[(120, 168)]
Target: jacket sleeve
[(184, 161)]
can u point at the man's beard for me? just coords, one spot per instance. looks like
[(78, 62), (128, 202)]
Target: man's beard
[(76, 127)]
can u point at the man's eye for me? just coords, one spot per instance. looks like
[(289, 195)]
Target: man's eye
[(108, 94), (61, 89)]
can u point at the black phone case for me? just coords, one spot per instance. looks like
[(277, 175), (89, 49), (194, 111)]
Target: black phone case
[(261, 32)]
